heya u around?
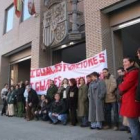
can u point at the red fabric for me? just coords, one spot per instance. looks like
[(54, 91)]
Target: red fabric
[(18, 13), (130, 108), (31, 7)]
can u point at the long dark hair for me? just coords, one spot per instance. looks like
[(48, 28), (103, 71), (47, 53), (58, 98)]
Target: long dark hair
[(73, 81)]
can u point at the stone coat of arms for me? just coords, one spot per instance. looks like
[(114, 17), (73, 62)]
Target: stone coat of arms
[(55, 24)]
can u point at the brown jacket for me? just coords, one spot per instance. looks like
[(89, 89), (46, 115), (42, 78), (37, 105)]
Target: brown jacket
[(111, 86)]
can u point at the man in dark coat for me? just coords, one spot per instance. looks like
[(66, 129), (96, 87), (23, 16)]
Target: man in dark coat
[(58, 111), (32, 103), (52, 90)]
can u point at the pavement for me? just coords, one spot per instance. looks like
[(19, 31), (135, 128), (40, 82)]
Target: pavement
[(19, 129)]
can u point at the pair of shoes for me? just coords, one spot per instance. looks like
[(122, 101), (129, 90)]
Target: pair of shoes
[(73, 124), (98, 128), (92, 127), (106, 127), (128, 130), (27, 119), (115, 128), (123, 128), (55, 123), (65, 123), (82, 125)]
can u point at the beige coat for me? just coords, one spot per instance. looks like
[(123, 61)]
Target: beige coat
[(111, 86)]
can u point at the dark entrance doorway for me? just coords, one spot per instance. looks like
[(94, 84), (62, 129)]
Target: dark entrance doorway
[(20, 71), (131, 40), (71, 54), (126, 41)]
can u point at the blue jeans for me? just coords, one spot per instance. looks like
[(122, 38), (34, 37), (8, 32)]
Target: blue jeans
[(96, 125), (134, 125), (61, 117), (108, 109)]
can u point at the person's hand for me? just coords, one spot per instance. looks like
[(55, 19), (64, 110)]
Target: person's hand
[(56, 115), (137, 101), (53, 114), (39, 112), (35, 112), (30, 104), (45, 111)]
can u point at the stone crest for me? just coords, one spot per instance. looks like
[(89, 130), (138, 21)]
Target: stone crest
[(50, 3), (55, 23)]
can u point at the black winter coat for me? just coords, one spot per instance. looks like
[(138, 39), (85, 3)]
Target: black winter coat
[(43, 106), (33, 98), (73, 97), (58, 107), (20, 94)]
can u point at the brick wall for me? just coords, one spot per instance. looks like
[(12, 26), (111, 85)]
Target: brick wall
[(98, 31), (21, 34)]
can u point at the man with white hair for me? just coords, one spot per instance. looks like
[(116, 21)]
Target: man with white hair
[(32, 103)]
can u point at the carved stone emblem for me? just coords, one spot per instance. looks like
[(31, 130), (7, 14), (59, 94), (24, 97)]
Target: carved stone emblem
[(55, 23), (50, 3)]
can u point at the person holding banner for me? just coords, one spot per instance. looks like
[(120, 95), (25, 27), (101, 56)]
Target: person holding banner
[(96, 94), (83, 102), (73, 101), (52, 90)]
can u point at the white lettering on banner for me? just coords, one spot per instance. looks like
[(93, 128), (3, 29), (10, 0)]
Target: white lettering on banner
[(40, 78)]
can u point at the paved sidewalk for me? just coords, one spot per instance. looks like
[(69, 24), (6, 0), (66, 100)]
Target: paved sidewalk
[(20, 129)]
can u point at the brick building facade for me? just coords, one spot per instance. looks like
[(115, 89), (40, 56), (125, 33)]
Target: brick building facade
[(21, 42), (106, 23), (106, 20)]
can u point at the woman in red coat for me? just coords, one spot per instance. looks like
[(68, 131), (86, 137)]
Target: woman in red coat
[(129, 107)]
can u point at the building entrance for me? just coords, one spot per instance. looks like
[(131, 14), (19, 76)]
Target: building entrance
[(126, 41), (20, 71), (71, 54)]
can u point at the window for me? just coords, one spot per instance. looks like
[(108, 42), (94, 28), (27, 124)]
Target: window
[(25, 12), (9, 18)]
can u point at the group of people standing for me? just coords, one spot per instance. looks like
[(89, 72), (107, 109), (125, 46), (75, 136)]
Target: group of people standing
[(93, 103), (13, 98)]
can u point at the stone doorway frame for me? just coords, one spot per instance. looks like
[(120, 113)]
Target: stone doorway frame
[(115, 37)]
